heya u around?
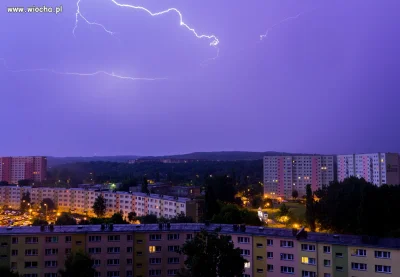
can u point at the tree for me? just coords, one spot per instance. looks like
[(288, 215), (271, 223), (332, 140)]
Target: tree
[(148, 219), (25, 201), (181, 218), (131, 216), (78, 264), (310, 213), (145, 186), (6, 272), (295, 194), (211, 205), (257, 202), (209, 254), (25, 183), (99, 206), (66, 219), (49, 203), (39, 222), (3, 183), (232, 214), (117, 218)]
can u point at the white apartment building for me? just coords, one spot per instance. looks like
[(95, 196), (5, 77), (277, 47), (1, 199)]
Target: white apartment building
[(376, 168), (284, 174), (80, 201)]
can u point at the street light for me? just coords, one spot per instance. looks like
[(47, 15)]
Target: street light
[(46, 209)]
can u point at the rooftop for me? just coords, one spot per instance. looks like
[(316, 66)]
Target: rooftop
[(350, 240)]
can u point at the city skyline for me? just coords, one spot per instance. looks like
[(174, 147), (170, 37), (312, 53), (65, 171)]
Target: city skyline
[(323, 80)]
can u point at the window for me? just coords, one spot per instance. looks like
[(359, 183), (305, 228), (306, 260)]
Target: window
[(259, 245), (51, 239), (129, 273), (97, 274), (243, 240), (68, 251), (360, 252), (358, 266), (173, 236), (50, 264), (260, 270), (114, 238), (287, 269), (339, 268), (172, 272), (270, 242), (97, 262), (129, 261), (4, 244), (339, 255), (113, 262), (308, 274), (287, 243), (327, 263), (139, 265), (139, 241), (173, 260), (31, 264), (30, 275), (50, 275), (173, 248), (154, 249), (189, 236), (68, 239), (270, 267), (129, 249), (112, 273), (327, 249), (259, 258), (78, 242), (96, 250), (94, 238), (245, 252), (129, 237), (53, 251), (383, 269), (245, 275), (113, 250), (382, 254), (155, 237), (14, 252), (247, 265), (155, 260), (327, 275), (31, 252), (307, 260), (308, 247), (14, 240), (270, 255), (155, 272), (139, 253), (30, 240), (287, 257)]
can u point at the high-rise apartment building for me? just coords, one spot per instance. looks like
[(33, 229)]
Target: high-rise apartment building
[(284, 174), (152, 250), (376, 168), (14, 169)]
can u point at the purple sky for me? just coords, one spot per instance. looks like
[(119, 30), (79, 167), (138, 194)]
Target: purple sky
[(325, 82)]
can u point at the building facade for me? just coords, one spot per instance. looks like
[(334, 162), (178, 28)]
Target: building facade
[(14, 169), (151, 250), (284, 174), (81, 201), (376, 168)]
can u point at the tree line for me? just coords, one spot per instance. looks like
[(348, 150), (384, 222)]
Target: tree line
[(355, 206)]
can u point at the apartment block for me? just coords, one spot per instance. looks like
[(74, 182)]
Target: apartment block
[(376, 168), (14, 169), (151, 250), (81, 201), (284, 174)]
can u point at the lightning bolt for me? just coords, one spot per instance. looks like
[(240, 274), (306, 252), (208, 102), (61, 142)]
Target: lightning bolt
[(100, 72), (263, 36), (214, 40)]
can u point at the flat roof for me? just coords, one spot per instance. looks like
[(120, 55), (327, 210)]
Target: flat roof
[(348, 240)]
